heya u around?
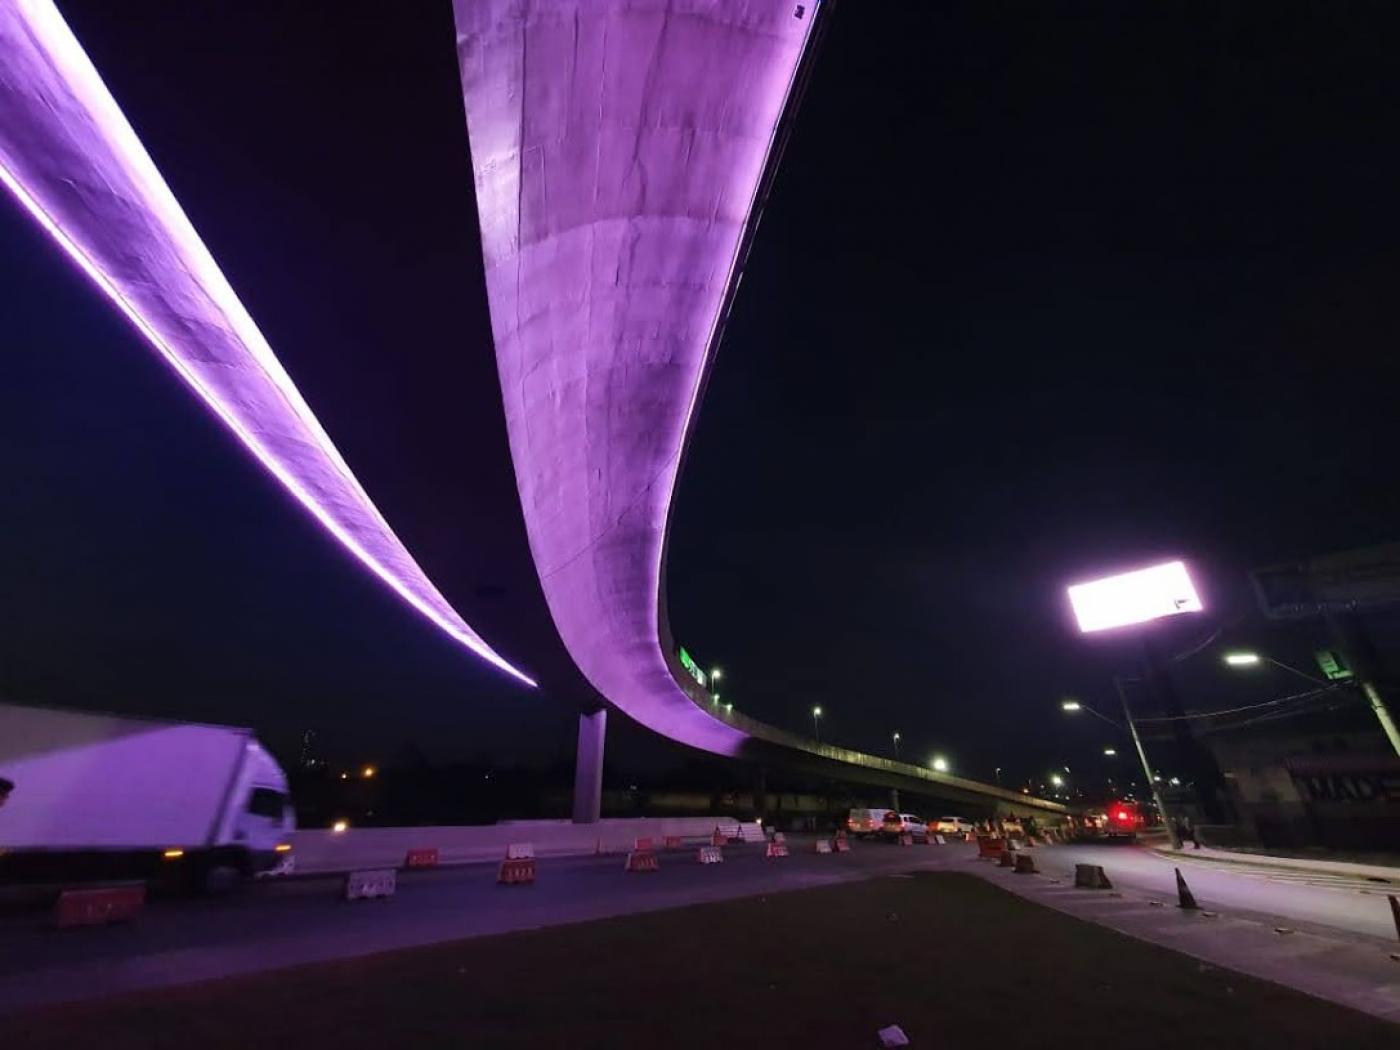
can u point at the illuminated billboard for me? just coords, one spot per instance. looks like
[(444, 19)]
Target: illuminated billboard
[(1134, 597)]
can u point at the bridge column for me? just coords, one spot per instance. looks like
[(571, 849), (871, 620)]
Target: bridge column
[(760, 793), (894, 799), (588, 766)]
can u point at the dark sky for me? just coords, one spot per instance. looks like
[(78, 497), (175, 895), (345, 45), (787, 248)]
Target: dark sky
[(1041, 289)]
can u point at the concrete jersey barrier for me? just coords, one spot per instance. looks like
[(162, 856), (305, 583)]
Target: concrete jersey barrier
[(318, 851)]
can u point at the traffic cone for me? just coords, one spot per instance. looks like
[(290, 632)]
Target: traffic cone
[(1395, 912), (1183, 893)]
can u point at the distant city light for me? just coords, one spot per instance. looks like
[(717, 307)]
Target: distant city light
[(1056, 780), (1242, 659), (339, 826), (940, 764), (345, 776), (1070, 705), (368, 772), (729, 707), (1134, 597), (1175, 782)]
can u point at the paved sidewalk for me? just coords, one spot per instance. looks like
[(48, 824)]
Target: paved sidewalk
[(1385, 872), (1356, 971)]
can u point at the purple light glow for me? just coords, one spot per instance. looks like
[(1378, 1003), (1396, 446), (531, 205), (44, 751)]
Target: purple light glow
[(614, 184), (70, 157), (1134, 597)]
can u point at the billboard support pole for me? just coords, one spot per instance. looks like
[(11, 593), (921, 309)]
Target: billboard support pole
[(1356, 650), (1146, 767)]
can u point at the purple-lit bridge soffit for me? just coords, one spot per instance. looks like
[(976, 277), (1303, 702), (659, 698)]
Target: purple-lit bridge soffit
[(621, 149), (70, 157), (618, 148)]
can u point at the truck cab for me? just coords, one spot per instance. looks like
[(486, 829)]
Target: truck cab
[(255, 836)]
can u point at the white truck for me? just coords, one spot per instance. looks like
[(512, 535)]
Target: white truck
[(98, 796)]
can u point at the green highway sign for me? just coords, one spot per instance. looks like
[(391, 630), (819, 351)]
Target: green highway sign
[(1332, 665), (690, 665)]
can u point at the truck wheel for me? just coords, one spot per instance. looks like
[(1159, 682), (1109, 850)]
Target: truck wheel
[(218, 879)]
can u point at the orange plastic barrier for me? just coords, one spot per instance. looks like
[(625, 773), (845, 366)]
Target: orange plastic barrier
[(97, 907), (673, 842), (990, 846), (642, 860)]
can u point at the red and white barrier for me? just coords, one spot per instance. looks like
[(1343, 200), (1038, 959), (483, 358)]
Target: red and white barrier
[(99, 906), (776, 848), (823, 846), (642, 860), (710, 855), (518, 868)]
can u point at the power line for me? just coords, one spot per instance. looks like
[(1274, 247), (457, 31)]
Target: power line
[(1247, 707)]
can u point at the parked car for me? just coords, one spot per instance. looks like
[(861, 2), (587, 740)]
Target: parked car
[(897, 824), (865, 822), (954, 826)]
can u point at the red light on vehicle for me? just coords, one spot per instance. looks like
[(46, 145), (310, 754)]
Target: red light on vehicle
[(1122, 815)]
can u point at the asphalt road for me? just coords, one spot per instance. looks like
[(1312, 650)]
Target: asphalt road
[(303, 920), (299, 921), (1346, 903)]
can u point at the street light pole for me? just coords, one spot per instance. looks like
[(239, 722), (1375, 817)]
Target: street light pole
[(896, 747), (1146, 766), (816, 723)]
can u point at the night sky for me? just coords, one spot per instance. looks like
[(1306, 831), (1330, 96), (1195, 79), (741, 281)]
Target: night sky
[(1042, 289)]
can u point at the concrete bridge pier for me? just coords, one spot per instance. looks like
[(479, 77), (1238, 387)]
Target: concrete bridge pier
[(588, 766)]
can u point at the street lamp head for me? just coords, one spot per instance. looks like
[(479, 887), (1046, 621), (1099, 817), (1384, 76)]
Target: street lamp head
[(940, 764), (716, 674), (1109, 752), (1070, 705), (1242, 659), (896, 736), (1056, 780), (816, 712)]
